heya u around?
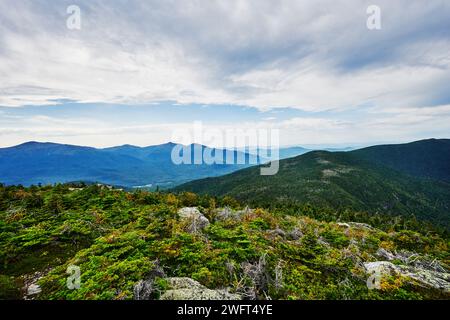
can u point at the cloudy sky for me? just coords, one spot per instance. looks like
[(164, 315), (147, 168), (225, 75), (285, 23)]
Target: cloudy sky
[(136, 70)]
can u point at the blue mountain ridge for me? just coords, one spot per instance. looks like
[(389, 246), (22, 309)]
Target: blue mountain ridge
[(127, 165)]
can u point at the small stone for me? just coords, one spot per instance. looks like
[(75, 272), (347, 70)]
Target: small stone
[(295, 234), (277, 232), (33, 289)]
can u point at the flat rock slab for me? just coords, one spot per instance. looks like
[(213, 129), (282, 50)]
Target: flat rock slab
[(189, 289)]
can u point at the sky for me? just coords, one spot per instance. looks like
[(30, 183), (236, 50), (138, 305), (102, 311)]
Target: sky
[(137, 71)]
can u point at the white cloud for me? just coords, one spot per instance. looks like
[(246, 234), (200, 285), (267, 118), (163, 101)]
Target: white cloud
[(312, 56), (320, 88)]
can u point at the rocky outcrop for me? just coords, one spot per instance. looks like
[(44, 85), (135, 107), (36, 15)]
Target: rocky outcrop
[(189, 289), (197, 221), (425, 278)]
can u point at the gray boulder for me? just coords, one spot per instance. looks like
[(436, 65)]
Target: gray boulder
[(295, 234), (189, 289), (197, 220)]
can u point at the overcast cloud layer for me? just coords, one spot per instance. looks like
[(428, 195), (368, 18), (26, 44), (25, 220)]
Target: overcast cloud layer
[(352, 84)]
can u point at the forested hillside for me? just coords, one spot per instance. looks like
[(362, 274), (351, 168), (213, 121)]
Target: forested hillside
[(336, 180), (425, 158)]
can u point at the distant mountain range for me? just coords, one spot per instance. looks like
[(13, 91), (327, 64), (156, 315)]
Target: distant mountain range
[(128, 166), (408, 179)]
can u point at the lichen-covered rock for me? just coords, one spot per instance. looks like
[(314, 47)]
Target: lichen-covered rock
[(426, 278), (197, 220), (189, 289)]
